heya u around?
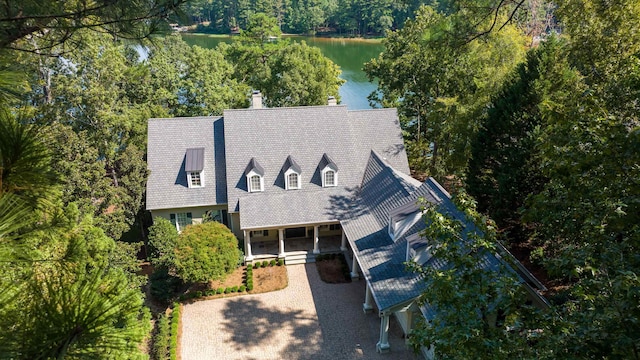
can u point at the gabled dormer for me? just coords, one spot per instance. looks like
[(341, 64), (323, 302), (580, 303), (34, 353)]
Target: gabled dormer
[(193, 166), (418, 249), (402, 219), (328, 171), (292, 171), (255, 176)]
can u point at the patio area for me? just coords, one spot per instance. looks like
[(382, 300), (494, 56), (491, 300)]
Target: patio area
[(309, 319)]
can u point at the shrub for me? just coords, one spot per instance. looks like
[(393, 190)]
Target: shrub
[(164, 287), (163, 238), (280, 262), (234, 289), (161, 339), (242, 288), (272, 263), (173, 342), (206, 252), (219, 291), (249, 286), (265, 263), (227, 290), (256, 265)]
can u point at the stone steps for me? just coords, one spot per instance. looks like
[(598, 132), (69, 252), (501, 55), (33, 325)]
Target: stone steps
[(301, 257)]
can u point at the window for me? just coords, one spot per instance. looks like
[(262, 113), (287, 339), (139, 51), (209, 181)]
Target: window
[(260, 233), (334, 227), (181, 220), (256, 183), (293, 181), (330, 178), (194, 179)]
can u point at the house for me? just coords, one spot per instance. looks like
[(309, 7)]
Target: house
[(293, 182)]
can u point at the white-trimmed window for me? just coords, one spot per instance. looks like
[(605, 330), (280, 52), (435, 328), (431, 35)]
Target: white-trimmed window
[(255, 183), (292, 180), (329, 178), (195, 179), (181, 220)]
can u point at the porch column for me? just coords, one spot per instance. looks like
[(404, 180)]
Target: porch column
[(247, 246), (281, 253), (343, 245), (383, 345), (355, 268), (367, 307), (316, 238)]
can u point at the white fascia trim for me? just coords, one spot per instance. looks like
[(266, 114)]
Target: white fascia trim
[(335, 177), (249, 176), (286, 180)]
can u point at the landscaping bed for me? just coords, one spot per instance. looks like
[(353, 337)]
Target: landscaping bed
[(333, 268)]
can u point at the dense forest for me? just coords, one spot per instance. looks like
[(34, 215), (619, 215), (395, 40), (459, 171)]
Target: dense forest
[(340, 17), (538, 140)]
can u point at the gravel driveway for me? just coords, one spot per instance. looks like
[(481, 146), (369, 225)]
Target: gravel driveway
[(307, 320)]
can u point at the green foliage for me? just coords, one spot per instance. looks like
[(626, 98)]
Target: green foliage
[(161, 338), (163, 238), (206, 252), (163, 286), (478, 312), (56, 23), (287, 74), (175, 324), (441, 85)]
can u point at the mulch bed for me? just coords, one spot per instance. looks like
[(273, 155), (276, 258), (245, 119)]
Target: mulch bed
[(333, 269)]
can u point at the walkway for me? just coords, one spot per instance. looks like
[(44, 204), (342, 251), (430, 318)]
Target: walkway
[(307, 320)]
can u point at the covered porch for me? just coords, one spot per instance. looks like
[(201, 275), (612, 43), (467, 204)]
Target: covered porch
[(294, 245)]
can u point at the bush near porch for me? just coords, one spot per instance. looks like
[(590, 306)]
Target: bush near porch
[(204, 252)]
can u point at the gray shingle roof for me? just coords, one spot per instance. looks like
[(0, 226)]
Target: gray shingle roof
[(307, 134), (327, 162), (255, 167), (194, 160), (291, 164), (168, 141)]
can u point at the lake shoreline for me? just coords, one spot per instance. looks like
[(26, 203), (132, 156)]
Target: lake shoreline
[(374, 40)]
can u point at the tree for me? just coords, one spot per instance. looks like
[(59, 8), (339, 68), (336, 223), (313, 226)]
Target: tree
[(56, 23), (288, 74), (504, 167), (204, 252), (478, 306), (441, 85), (163, 238)]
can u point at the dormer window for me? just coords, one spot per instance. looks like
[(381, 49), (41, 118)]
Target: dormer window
[(402, 219), (193, 166), (291, 174), (330, 178), (256, 183), (195, 180), (329, 171), (292, 181), (255, 176)]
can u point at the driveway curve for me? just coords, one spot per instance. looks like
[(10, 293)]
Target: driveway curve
[(309, 319)]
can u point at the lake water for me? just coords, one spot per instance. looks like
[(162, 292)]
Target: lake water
[(349, 54)]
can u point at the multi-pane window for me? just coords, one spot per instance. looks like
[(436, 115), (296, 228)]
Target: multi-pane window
[(255, 183), (293, 181), (181, 220), (196, 181), (330, 178)]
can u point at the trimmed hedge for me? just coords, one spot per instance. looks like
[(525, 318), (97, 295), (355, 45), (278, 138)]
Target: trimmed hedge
[(161, 339), (175, 322)]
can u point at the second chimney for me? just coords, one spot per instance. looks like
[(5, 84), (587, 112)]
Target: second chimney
[(256, 99)]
